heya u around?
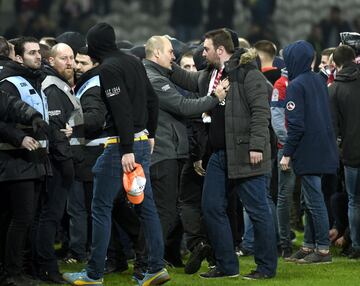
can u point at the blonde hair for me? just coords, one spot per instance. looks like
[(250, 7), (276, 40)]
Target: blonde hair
[(154, 43)]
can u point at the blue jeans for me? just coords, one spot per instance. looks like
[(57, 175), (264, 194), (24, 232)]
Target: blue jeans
[(286, 188), (248, 237), (252, 192), (316, 232), (107, 183), (352, 182)]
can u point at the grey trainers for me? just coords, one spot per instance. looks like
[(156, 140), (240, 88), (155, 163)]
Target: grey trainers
[(316, 258), (300, 254)]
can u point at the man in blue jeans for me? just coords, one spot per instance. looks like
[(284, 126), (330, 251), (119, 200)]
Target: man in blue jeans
[(132, 111), (311, 145), (240, 142)]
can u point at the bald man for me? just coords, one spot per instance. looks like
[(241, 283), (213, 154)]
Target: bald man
[(66, 122), (171, 146)]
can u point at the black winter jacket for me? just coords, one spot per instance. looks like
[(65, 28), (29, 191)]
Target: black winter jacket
[(20, 164), (247, 113), (345, 104)]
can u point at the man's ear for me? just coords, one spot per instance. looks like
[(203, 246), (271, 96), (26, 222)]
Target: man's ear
[(157, 53), (51, 61), (19, 59), (220, 50)]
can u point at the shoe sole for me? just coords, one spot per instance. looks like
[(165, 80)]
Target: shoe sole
[(157, 280), (252, 279), (227, 276), (82, 283), (304, 262)]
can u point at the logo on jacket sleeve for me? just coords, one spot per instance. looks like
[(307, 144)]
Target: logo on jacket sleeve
[(166, 87), (290, 105), (112, 91)]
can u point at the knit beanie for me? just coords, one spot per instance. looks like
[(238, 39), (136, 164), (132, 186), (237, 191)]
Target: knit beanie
[(100, 40)]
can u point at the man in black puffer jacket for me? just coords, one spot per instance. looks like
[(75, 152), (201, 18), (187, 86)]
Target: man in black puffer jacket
[(23, 154)]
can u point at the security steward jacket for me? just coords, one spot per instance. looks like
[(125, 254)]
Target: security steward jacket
[(88, 91), (17, 163)]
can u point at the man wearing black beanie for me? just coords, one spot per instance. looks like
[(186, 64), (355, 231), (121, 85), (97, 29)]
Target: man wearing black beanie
[(132, 111)]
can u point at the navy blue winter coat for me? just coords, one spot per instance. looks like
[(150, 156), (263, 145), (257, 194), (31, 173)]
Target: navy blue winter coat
[(311, 141)]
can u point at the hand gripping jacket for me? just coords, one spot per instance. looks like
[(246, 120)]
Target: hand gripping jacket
[(35, 100)]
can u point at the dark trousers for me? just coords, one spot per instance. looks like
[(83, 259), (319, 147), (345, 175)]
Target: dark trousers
[(191, 185), (329, 185), (165, 178), (18, 202), (52, 207), (125, 217)]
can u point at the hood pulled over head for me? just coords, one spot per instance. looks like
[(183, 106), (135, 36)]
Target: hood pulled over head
[(298, 57)]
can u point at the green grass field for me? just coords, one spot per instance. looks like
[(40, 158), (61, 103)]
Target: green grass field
[(341, 272)]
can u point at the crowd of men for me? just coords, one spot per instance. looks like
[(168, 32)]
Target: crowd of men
[(224, 134)]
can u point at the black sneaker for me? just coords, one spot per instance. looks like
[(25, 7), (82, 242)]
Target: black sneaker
[(138, 273), (316, 258), (286, 252), (242, 251), (113, 266), (199, 253), (52, 277), (300, 254), (354, 254), (71, 258), (256, 275), (18, 281), (215, 273)]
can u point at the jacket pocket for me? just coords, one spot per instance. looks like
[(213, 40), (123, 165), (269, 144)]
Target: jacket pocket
[(242, 139)]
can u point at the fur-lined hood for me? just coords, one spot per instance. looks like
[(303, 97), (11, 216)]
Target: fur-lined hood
[(241, 56)]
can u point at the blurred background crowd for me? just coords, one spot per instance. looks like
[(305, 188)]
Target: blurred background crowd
[(280, 21)]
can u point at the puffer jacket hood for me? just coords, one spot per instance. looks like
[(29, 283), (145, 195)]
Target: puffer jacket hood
[(101, 40), (241, 56), (298, 57), (349, 72)]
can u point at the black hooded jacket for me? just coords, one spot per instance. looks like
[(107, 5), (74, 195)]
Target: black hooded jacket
[(130, 100), (345, 103), (20, 164)]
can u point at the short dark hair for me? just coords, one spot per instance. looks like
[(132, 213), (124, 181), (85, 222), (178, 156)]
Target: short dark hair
[(328, 52), (221, 37), (44, 51), (187, 54), (20, 43), (84, 51), (343, 55), (49, 41), (267, 47), (4, 47)]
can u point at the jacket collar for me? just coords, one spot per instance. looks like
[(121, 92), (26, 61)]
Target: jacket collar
[(163, 71)]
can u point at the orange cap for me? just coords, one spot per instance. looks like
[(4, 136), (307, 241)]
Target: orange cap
[(134, 184)]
